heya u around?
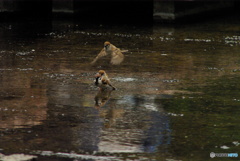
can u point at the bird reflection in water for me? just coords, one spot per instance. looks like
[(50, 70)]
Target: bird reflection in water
[(102, 98)]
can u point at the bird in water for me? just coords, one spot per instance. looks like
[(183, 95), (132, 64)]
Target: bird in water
[(102, 80), (109, 49)]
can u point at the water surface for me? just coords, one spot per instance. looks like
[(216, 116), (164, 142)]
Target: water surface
[(177, 94)]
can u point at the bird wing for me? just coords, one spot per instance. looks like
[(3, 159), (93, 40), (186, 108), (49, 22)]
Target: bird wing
[(117, 57), (106, 80), (101, 54), (110, 84)]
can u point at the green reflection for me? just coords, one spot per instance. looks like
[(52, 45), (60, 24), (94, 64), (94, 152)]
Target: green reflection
[(210, 121)]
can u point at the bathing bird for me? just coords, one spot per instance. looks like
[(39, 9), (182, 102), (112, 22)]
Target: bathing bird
[(109, 49), (102, 80)]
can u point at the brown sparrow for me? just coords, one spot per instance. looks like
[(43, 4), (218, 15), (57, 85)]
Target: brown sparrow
[(110, 49), (102, 80)]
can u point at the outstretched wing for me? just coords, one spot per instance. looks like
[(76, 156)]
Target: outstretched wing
[(117, 57), (101, 54)]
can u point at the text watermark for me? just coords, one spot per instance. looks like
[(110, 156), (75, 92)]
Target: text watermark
[(212, 155)]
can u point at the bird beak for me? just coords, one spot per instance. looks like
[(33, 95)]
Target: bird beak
[(97, 75)]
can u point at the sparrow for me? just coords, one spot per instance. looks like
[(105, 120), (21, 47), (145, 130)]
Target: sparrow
[(109, 49), (102, 80)]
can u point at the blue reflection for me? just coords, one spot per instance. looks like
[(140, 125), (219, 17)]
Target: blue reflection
[(159, 132)]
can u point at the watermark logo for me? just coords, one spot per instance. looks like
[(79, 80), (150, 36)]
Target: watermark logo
[(212, 155)]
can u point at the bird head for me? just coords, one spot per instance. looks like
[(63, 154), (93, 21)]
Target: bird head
[(100, 73), (106, 44)]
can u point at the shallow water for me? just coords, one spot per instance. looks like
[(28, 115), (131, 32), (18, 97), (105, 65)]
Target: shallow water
[(177, 94)]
